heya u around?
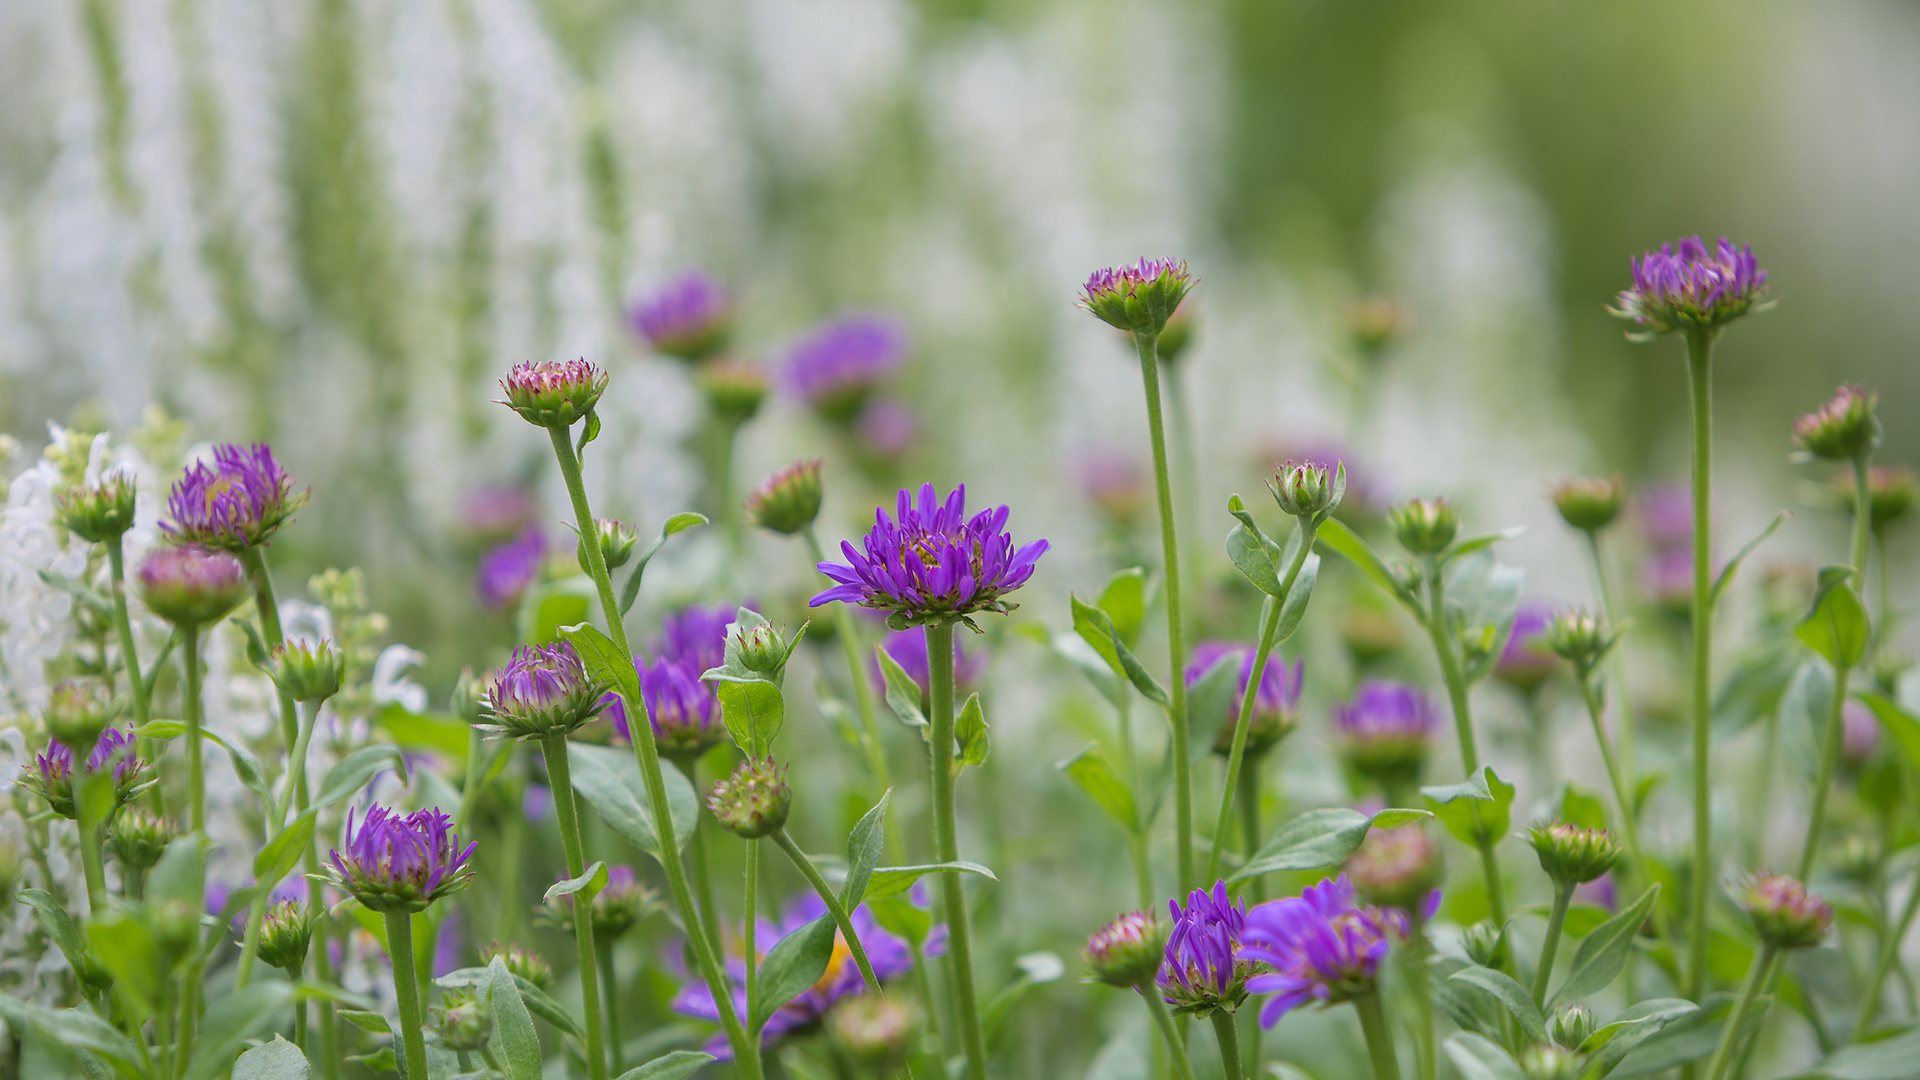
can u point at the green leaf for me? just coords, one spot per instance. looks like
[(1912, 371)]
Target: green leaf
[(593, 879), (57, 924), (1253, 554), (1509, 995), (181, 873), (1210, 705), (864, 845), (256, 648), (677, 523), (1901, 726), (535, 999), (970, 730), (285, 850), (1581, 807), (898, 916), (161, 729), (1606, 1047), (1479, 1058), (440, 732), (1482, 599), (1295, 607), (1603, 953), (1474, 544), (1836, 626), (276, 1060), (793, 965), (606, 664), (125, 947), (1321, 839), (609, 778), (903, 694), (674, 1066), (1124, 599), (514, 1040), (367, 1021), (1093, 625), (891, 881), (1335, 534), (753, 712), (350, 776), (1726, 573), (1092, 773), (76, 1029), (230, 1022), (1889, 1059), (245, 765), (1476, 811), (78, 590)]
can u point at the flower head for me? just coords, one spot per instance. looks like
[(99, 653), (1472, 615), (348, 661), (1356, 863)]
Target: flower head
[(1527, 659), (462, 1022), (1859, 734), (1140, 298), (1695, 289), (1398, 868), (1590, 504), (308, 671), (553, 393), (285, 936), (1784, 913), (1571, 1025), (697, 636), (1128, 951), (688, 317), (509, 570), (1305, 489), (139, 838), (789, 500), (616, 542), (1276, 703), (836, 368), (1425, 526), (400, 862), (497, 511), (1580, 637), (192, 585), (77, 713), (1201, 969), (237, 504), (521, 962), (754, 801), (875, 1032), (1550, 1062), (932, 563), (1320, 945), (1842, 428), (1572, 855), (733, 389), (886, 430), (101, 512), (680, 707), (51, 774), (617, 908), (1384, 730), (543, 690)]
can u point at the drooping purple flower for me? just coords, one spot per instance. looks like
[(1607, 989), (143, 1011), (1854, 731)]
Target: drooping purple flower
[(543, 690), (835, 369), (1526, 661), (688, 317), (400, 862), (682, 709), (236, 504), (933, 562), (1320, 945), (696, 636), (1275, 705), (888, 955), (908, 648), (192, 585), (1695, 288), (1201, 969), (509, 570)]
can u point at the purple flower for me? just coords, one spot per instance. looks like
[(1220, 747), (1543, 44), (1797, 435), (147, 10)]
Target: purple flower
[(553, 393), (887, 429), (397, 862), (1601, 892), (889, 956), (1320, 945), (687, 317), (1114, 482), (932, 563), (543, 690), (536, 801), (909, 649), (507, 571), (1526, 661), (1696, 288), (836, 368), (1384, 730), (497, 510), (1668, 579), (680, 706), (1275, 705), (1139, 298), (51, 774), (1202, 969), (1666, 515), (236, 504), (192, 585), (696, 637)]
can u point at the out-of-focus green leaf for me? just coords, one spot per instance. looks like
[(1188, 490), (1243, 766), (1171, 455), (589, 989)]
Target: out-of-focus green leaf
[(1474, 811), (1124, 599), (1092, 773), (1321, 839), (675, 1066), (276, 1060), (515, 1041), (1603, 953), (970, 731), (795, 963), (352, 774), (609, 778), (1507, 994), (1836, 626), (1480, 1058)]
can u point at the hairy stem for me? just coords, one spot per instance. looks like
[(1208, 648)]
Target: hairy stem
[(1730, 1035), (1700, 392), (834, 908), (255, 559), (406, 991), (1543, 974), (1229, 1039), (947, 849), (1437, 629), (1610, 603), (609, 999), (130, 656), (554, 746), (1149, 349), (1176, 1046), (1373, 1024)]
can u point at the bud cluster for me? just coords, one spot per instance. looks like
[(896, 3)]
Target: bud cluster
[(733, 389)]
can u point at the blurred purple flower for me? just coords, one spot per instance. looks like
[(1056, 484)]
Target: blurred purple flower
[(696, 637), (234, 505), (1320, 945), (1859, 733), (887, 428), (497, 510), (687, 317), (1602, 892), (1526, 661), (1275, 707), (1113, 481), (1666, 515), (536, 801), (681, 707), (507, 571), (836, 368), (933, 562), (909, 649), (449, 944)]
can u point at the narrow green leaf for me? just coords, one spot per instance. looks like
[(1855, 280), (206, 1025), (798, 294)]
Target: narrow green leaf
[(78, 590), (970, 730), (76, 1029), (1889, 1059), (753, 712), (1320, 839), (1480, 1058), (1726, 573), (674, 1066), (161, 729), (891, 881), (903, 694), (898, 916), (58, 926), (1836, 627), (1474, 544), (285, 850), (794, 964), (1093, 625), (593, 879), (1335, 534), (1092, 773), (276, 1060), (609, 778), (441, 733), (245, 765), (1603, 953), (367, 1021), (1509, 995), (1295, 607), (864, 845), (514, 1040), (1124, 599), (351, 775), (1253, 554), (1606, 1047)]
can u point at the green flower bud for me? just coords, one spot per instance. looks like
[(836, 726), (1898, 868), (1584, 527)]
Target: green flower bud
[(284, 937), (1842, 428), (521, 962), (176, 928), (76, 714), (1127, 951), (553, 393), (1572, 1025), (762, 649), (1581, 638), (1482, 943), (733, 390), (1177, 334), (469, 699), (1425, 526), (99, 513), (463, 1023), (1572, 855), (789, 500), (1302, 490), (1376, 321), (616, 544), (1550, 1063), (754, 801), (874, 1031), (1784, 913), (308, 671), (139, 838), (1140, 298), (1590, 504)]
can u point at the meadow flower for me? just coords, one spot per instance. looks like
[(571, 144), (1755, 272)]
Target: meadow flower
[(543, 690), (51, 774), (1302, 489), (100, 512), (285, 936), (1201, 968), (932, 563), (681, 707), (139, 838), (1784, 913), (1840, 429), (307, 671), (886, 429), (77, 713), (400, 862), (835, 369), (1425, 526), (734, 389), (688, 318), (617, 908), (238, 503), (1128, 951), (1859, 734), (1590, 504), (875, 1032), (1320, 946), (788, 501), (1138, 298), (696, 636), (1892, 491), (510, 569), (1527, 660), (1384, 730), (191, 585), (1276, 703), (1694, 289), (553, 393)]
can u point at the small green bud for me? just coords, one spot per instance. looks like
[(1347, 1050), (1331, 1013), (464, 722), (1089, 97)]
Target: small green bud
[(76, 714), (99, 513), (1572, 855), (176, 927), (789, 500), (1302, 490), (1590, 504), (521, 962), (1784, 913), (308, 671), (1127, 951), (1581, 638), (1425, 526), (469, 699), (1482, 943), (874, 1031), (1572, 1025), (733, 390), (1550, 1063), (463, 1023), (139, 838), (754, 801), (1842, 428), (284, 937), (616, 544), (761, 649)]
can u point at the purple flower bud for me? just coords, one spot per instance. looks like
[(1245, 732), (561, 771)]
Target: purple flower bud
[(1572, 855), (192, 585), (1139, 298), (51, 774), (1784, 913), (1128, 951), (1590, 504), (1527, 660), (553, 393), (932, 563), (1842, 428), (680, 706), (754, 801), (1398, 868), (237, 504), (688, 318), (1859, 734), (1201, 969), (1320, 946), (789, 500), (1384, 731), (396, 862), (1276, 705), (733, 389), (507, 571), (1114, 483), (835, 369), (1695, 289), (543, 690)]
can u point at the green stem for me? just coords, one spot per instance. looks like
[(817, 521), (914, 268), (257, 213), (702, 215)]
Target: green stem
[(1137, 829), (1756, 974), (406, 991), (947, 848), (90, 838), (834, 907), (1229, 1038), (1889, 956), (1436, 622), (190, 712), (129, 654), (1149, 348), (1543, 974), (1700, 393), (1610, 603), (554, 746), (609, 997), (299, 1015), (1186, 465), (1862, 521), (1830, 745), (1373, 1024), (1428, 1064), (296, 781), (255, 559), (923, 985), (746, 1053), (849, 634), (1629, 824), (1176, 1046), (749, 949)]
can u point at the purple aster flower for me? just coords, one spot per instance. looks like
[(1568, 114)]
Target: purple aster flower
[(536, 801), (888, 954), (887, 429), (836, 368), (1398, 868), (192, 585), (696, 637), (236, 504), (1784, 913), (497, 511), (1601, 892), (543, 690), (681, 707), (400, 862), (509, 570), (553, 393), (1696, 288), (688, 317), (909, 649), (1275, 705), (1364, 493), (933, 563), (51, 774), (1202, 969), (1384, 730), (1320, 945), (1138, 298), (1526, 661)]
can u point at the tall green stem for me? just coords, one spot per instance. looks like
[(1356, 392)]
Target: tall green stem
[(190, 712), (90, 839), (296, 780), (1422, 947), (834, 908), (1373, 1024), (697, 856), (1543, 974), (1176, 1046), (1437, 629), (1836, 704), (609, 997), (1889, 956), (1610, 603), (849, 634), (1700, 392), (1148, 346), (1730, 1035), (749, 949), (406, 991), (746, 1053), (255, 559), (1629, 823), (129, 654), (554, 746), (947, 848), (1229, 1038)]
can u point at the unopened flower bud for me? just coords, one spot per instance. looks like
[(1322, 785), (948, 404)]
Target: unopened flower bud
[(553, 393), (1579, 637), (1892, 491), (1375, 321), (191, 586), (176, 927), (733, 390), (469, 700), (1784, 913), (761, 649), (463, 1024), (616, 544), (789, 500), (308, 671), (1572, 855), (1856, 858), (1572, 1025), (139, 838), (1396, 867), (1842, 428), (521, 962), (76, 714), (874, 1031), (1302, 490), (754, 801), (1590, 504), (1140, 298), (543, 690), (285, 935), (1126, 952), (1482, 943), (1550, 1063), (98, 513), (1425, 526)]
